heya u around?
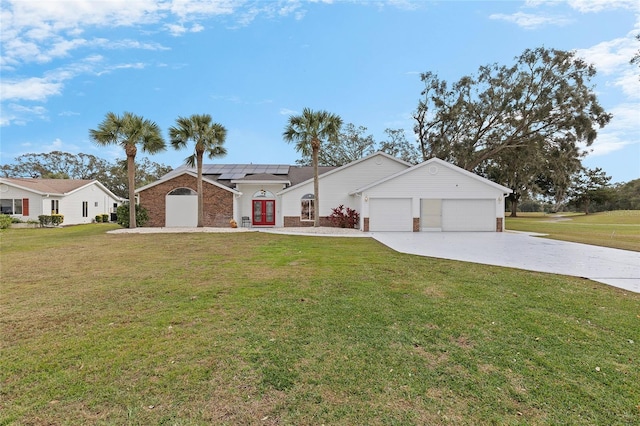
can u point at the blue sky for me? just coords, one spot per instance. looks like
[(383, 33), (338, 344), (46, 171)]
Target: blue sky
[(251, 64)]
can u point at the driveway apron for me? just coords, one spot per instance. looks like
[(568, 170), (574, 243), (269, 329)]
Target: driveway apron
[(618, 268)]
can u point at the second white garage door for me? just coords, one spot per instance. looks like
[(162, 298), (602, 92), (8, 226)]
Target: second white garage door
[(468, 215), (390, 214)]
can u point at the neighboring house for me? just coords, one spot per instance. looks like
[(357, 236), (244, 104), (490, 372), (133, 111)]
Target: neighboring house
[(79, 201), (388, 193)]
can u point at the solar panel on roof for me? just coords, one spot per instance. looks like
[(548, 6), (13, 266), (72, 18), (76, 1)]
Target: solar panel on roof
[(232, 176), (226, 170)]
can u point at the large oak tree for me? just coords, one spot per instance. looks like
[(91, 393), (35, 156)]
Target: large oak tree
[(510, 117)]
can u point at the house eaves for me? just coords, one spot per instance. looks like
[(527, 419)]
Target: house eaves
[(262, 179), (339, 169), (54, 187), (439, 162), (168, 177)]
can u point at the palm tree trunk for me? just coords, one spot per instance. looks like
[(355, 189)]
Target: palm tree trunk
[(199, 156), (316, 194), (131, 174)]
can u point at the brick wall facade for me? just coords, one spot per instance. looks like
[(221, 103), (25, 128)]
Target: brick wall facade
[(499, 224), (218, 203)]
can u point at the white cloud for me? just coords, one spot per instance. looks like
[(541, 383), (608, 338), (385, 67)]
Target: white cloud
[(180, 29), (287, 111), (31, 89), (620, 132), (531, 21), (586, 6), (186, 8), (20, 114), (68, 113), (611, 58)]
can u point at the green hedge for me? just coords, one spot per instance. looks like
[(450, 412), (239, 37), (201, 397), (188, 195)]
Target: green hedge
[(51, 220), (142, 216), (5, 221)]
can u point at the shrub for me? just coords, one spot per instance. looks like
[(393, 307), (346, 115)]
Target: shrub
[(105, 217), (5, 221), (142, 216), (98, 218), (53, 220), (344, 218), (57, 219)]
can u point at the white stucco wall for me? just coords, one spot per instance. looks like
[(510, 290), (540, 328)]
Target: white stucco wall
[(334, 187), (70, 205)]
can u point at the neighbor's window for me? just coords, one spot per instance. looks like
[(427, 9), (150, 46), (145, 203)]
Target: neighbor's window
[(55, 206), (307, 207), (11, 206), (6, 206), (85, 209)]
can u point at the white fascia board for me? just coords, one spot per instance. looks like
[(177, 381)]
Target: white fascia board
[(261, 182), (190, 173), (339, 169), (440, 162)]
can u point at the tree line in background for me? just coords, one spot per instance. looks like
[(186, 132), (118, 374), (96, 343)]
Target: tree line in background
[(521, 126), (64, 165)]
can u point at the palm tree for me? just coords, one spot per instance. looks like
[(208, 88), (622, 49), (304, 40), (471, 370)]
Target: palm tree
[(129, 131), (308, 131), (208, 137)]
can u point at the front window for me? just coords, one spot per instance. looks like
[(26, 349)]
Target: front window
[(55, 206), (85, 209), (307, 207)]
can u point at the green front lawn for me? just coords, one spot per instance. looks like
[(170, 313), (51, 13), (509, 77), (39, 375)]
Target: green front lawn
[(255, 328), (616, 229)]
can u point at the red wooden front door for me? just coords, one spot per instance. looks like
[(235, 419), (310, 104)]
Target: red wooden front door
[(264, 212)]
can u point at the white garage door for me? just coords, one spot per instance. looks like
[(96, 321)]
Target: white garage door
[(468, 215), (390, 214), (181, 211)]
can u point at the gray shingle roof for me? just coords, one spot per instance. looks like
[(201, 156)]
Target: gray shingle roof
[(225, 173)]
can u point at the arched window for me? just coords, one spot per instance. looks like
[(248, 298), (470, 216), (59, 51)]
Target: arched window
[(183, 191), (263, 194), (307, 207)]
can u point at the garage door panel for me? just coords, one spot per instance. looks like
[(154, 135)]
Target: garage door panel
[(390, 214), (468, 215)]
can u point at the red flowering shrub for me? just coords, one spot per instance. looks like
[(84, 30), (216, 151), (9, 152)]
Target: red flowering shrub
[(344, 218)]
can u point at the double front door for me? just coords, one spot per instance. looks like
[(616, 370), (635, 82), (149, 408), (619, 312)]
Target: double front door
[(264, 212)]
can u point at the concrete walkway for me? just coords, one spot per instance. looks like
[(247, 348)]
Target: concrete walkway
[(618, 268)]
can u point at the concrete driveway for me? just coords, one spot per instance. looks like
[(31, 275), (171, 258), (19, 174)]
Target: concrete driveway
[(618, 268)]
